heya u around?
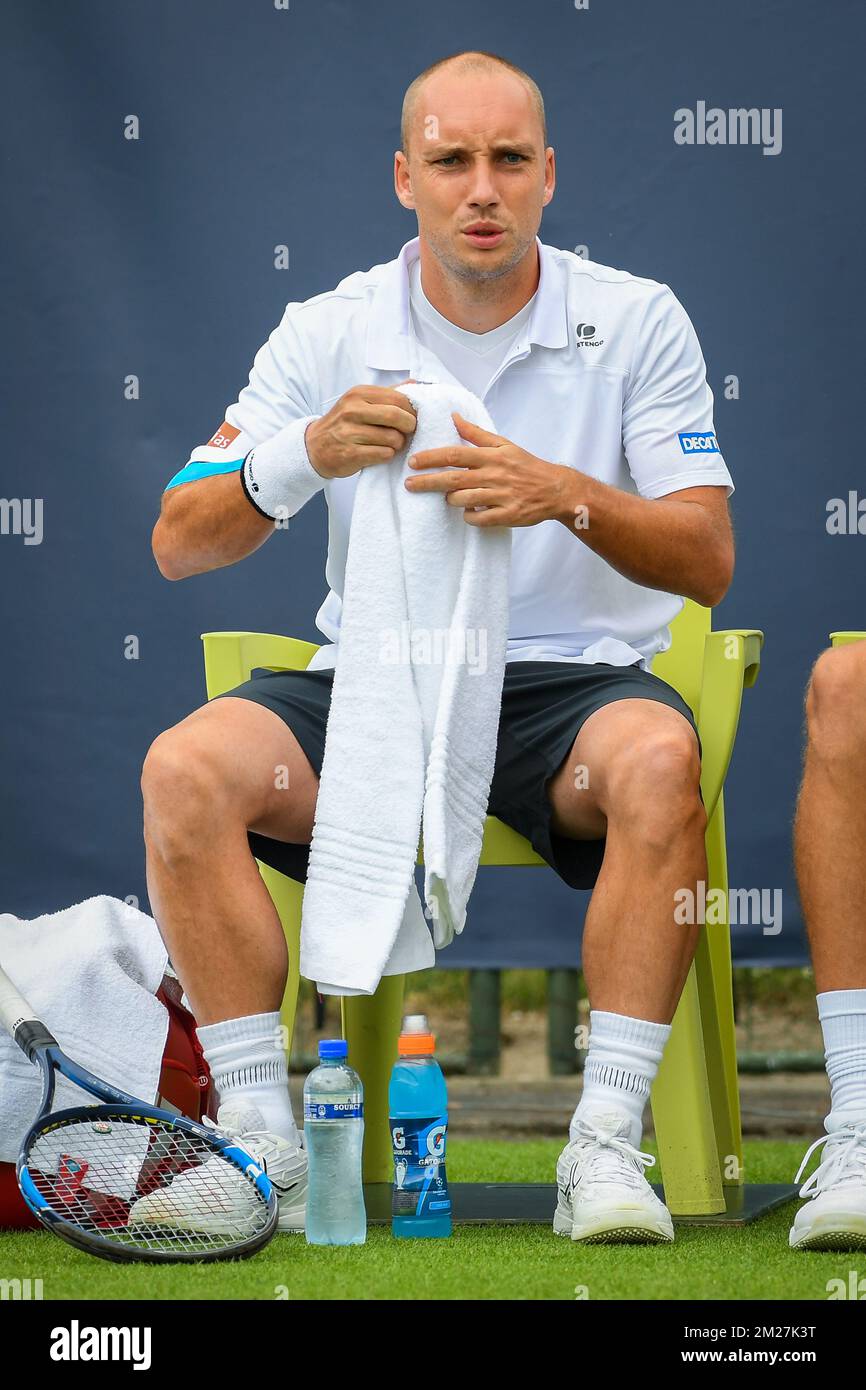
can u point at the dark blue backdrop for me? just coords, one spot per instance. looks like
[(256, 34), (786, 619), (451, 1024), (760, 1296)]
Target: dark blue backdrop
[(154, 257)]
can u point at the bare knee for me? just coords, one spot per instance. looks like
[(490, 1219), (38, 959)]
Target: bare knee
[(183, 790), (653, 787), (836, 705), (232, 766)]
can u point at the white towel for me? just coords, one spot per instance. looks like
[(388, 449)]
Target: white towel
[(413, 720), (91, 972)]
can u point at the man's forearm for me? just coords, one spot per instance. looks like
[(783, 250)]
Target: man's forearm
[(205, 525), (218, 520), (663, 543)]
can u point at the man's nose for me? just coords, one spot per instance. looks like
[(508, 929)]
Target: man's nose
[(483, 188)]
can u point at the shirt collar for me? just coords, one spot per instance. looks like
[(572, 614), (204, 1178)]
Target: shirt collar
[(388, 329)]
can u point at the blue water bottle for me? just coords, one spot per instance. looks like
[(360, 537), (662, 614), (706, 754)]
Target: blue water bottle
[(418, 1107), (334, 1138)]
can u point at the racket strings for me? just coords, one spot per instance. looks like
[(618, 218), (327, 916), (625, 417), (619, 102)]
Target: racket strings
[(145, 1185)]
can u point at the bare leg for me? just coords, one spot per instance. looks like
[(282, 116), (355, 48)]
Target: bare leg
[(642, 789), (643, 775), (205, 783), (830, 825), (830, 859)]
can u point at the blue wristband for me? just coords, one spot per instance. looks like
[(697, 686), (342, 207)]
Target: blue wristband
[(193, 471)]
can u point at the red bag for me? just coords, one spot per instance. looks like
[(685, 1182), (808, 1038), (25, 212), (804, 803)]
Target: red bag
[(184, 1085)]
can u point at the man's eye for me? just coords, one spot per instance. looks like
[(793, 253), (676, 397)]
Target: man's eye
[(509, 154)]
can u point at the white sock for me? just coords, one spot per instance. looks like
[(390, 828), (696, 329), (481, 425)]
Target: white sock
[(843, 1022), (248, 1067), (621, 1064)]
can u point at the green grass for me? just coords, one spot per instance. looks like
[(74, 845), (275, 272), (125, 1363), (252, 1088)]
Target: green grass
[(527, 1262)]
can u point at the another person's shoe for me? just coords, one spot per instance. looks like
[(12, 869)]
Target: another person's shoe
[(179, 1203), (834, 1217), (603, 1196)]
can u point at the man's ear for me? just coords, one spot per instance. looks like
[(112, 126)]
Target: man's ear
[(401, 169)]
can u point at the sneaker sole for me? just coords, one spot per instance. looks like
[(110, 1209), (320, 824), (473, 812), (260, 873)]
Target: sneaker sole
[(613, 1235), (292, 1223), (198, 1228), (624, 1235), (833, 1237)]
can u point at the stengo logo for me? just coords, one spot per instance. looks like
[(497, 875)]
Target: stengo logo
[(698, 443)]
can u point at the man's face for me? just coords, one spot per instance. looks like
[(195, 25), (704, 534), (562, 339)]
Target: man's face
[(476, 154)]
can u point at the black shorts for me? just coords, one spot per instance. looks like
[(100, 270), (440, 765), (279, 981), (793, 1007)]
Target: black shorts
[(544, 704)]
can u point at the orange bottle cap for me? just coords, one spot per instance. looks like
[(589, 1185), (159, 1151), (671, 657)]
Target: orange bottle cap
[(416, 1040), (416, 1045)]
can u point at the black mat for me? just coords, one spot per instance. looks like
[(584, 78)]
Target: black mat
[(533, 1203)]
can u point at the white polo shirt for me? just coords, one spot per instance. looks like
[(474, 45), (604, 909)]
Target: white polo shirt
[(605, 374), (471, 358)]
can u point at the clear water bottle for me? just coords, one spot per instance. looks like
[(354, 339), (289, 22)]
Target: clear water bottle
[(334, 1137), (418, 1109)]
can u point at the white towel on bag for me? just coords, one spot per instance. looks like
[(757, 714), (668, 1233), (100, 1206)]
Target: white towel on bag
[(90, 972), (413, 721)]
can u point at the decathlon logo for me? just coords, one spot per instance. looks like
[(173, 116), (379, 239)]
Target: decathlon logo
[(704, 443), (586, 335)]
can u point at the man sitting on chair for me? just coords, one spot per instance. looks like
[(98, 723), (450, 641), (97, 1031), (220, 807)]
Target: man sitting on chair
[(608, 469), (830, 856)]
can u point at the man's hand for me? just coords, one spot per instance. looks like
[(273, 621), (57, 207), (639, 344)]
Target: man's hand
[(368, 424), (514, 487)]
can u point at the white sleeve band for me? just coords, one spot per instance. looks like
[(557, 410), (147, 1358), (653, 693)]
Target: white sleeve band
[(278, 476)]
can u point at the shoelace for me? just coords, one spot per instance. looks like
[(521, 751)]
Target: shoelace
[(847, 1160), (261, 1152), (612, 1158), (226, 1131)]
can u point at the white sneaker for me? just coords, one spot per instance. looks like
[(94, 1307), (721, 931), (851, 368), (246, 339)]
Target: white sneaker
[(230, 1207), (603, 1194), (834, 1217)]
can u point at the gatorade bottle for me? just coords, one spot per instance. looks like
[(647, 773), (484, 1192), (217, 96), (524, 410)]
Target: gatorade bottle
[(417, 1102)]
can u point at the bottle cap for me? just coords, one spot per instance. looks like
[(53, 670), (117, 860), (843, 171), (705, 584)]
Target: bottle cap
[(333, 1047), (416, 1040), (416, 1023)]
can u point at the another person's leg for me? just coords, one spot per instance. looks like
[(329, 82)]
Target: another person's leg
[(830, 858)]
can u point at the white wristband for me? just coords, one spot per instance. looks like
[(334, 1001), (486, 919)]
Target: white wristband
[(277, 476)]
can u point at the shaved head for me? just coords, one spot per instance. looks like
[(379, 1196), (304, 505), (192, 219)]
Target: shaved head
[(465, 64)]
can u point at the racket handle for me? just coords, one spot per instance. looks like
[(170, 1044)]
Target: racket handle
[(19, 1019)]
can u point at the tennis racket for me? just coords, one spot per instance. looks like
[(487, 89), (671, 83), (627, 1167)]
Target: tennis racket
[(126, 1181)]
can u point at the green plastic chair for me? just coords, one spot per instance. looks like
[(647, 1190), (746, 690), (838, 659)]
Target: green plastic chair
[(695, 1099)]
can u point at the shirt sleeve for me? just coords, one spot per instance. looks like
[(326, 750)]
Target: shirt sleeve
[(667, 419), (282, 390)]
